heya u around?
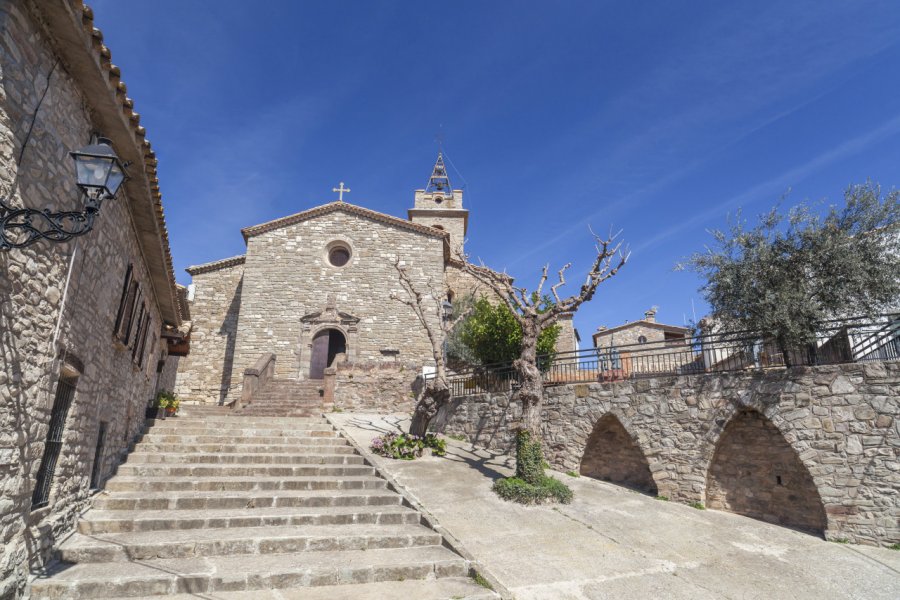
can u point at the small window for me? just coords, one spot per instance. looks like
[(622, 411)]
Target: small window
[(338, 255), (438, 199), (642, 339), (65, 391), (441, 227)]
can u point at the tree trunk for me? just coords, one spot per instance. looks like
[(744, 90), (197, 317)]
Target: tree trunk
[(434, 397), (530, 394), (785, 352)]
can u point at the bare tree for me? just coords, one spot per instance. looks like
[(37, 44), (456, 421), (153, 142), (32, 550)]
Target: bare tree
[(437, 389), (526, 308)]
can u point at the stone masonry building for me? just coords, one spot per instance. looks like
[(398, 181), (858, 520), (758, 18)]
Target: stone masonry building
[(315, 289), (83, 324)]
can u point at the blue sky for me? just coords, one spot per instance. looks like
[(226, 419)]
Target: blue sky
[(658, 119)]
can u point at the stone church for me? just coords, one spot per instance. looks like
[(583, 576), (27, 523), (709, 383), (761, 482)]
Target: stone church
[(315, 289)]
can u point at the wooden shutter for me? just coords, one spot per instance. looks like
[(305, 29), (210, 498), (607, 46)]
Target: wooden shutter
[(120, 315)]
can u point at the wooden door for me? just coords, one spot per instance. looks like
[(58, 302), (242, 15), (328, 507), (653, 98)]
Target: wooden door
[(319, 358)]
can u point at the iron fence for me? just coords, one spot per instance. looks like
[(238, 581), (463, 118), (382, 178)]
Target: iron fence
[(846, 341)]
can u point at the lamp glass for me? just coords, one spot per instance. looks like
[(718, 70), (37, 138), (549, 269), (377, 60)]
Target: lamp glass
[(115, 178), (92, 171)]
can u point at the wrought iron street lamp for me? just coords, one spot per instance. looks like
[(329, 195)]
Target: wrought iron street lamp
[(99, 174)]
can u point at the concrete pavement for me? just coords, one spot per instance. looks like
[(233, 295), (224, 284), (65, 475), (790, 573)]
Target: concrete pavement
[(615, 543)]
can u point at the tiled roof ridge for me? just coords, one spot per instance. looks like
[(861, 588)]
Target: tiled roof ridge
[(117, 87), (216, 265), (642, 322), (324, 209)]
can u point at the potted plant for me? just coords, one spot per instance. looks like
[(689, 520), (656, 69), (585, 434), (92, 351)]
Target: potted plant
[(165, 403), (169, 401)]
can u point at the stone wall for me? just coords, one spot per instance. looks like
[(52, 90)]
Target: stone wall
[(630, 336), (206, 374), (34, 299), (381, 387), (288, 285), (837, 427), (566, 341)]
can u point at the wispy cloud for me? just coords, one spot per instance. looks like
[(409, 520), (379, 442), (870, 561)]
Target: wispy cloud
[(768, 189)]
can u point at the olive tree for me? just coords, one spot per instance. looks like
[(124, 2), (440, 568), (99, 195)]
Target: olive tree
[(790, 271)]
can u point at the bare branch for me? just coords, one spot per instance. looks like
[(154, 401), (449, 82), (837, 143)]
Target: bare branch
[(562, 282), (540, 286)]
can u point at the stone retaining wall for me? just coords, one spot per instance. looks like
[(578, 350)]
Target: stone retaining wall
[(377, 387), (745, 442)]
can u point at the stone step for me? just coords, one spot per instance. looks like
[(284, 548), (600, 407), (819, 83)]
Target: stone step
[(248, 433), (262, 411), (97, 521), (322, 446), (331, 439), (243, 499), (234, 417), (238, 426), (245, 573), (227, 484), (447, 588), (198, 543), (141, 458), (243, 470)]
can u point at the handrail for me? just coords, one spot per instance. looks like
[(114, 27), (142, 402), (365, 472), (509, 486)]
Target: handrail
[(255, 379)]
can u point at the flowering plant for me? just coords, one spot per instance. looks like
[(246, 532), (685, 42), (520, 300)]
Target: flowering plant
[(404, 446)]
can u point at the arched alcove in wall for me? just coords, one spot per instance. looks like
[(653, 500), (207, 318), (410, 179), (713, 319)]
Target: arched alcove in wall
[(755, 472), (612, 455)]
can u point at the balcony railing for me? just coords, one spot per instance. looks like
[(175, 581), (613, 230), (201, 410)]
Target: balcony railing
[(845, 341)]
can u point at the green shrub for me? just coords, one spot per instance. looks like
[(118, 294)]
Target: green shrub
[(697, 505), (663, 498), (519, 490), (572, 474), (405, 446), (894, 547)]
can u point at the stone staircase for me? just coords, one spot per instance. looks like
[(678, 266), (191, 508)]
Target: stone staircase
[(287, 398), (237, 507)]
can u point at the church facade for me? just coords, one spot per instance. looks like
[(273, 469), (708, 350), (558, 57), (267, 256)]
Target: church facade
[(317, 290)]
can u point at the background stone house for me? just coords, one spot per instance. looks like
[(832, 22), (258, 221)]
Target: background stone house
[(644, 346), (81, 322)]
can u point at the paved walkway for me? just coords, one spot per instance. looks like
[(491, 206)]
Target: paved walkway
[(614, 543)]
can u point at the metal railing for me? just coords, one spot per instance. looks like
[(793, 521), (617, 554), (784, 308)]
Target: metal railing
[(845, 341)]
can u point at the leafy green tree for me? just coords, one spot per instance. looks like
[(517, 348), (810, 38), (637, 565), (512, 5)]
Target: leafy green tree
[(789, 272), (491, 334)]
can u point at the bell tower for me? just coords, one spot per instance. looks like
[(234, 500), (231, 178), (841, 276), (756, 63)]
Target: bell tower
[(440, 206)]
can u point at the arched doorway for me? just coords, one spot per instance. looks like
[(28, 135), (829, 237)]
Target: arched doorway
[(612, 455), (755, 472), (326, 345)]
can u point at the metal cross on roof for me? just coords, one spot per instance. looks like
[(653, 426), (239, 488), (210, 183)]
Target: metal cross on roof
[(340, 191)]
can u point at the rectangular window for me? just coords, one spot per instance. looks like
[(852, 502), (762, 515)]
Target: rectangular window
[(128, 316), (65, 391), (120, 315), (139, 332), (97, 469), (147, 333)]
